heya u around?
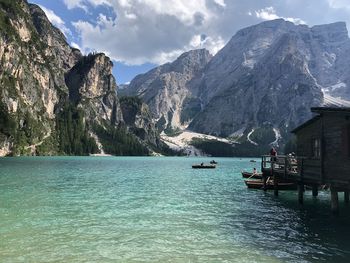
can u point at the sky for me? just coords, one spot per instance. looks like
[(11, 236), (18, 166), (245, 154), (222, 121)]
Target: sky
[(141, 34)]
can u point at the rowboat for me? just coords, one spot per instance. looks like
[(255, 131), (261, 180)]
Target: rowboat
[(251, 175), (254, 184), (203, 166)]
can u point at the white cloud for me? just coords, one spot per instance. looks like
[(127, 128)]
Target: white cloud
[(220, 2), (151, 30), (56, 20), (269, 13), (156, 31), (337, 4), (74, 4), (75, 45), (83, 4)]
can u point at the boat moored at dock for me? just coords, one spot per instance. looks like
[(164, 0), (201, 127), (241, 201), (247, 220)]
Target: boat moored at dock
[(250, 175), (256, 184)]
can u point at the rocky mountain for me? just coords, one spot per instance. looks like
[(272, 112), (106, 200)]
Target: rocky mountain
[(54, 100), (272, 73), (166, 89), (263, 82)]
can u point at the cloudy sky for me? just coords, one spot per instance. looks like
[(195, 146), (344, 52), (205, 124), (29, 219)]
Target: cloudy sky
[(140, 34)]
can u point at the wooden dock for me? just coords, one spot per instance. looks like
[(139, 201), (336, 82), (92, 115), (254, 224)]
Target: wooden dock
[(306, 172), (322, 155)]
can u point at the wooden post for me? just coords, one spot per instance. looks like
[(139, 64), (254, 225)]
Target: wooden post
[(346, 196), (301, 193), (334, 200), (314, 190), (275, 184), (272, 165), (323, 149), (285, 166)]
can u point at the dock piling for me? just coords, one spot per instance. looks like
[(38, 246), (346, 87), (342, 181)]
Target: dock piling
[(334, 200), (301, 193), (275, 184), (315, 190), (264, 179), (346, 196)]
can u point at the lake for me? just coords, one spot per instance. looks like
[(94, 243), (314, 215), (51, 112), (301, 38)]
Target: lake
[(158, 209)]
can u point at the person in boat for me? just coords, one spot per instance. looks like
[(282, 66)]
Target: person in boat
[(202, 164), (255, 171)]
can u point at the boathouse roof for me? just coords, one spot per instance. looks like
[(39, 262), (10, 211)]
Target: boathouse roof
[(307, 123), (330, 109), (317, 117)]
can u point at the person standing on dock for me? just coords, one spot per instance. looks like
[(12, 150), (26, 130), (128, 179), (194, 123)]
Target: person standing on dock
[(273, 154)]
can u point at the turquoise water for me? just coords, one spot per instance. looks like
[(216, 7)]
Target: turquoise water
[(147, 209)]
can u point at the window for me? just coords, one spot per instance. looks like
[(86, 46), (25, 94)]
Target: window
[(316, 148)]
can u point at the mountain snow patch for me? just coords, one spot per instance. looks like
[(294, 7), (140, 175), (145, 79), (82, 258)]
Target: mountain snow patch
[(248, 137), (277, 136)]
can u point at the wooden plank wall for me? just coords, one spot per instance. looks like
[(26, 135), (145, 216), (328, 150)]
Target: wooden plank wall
[(311, 166), (337, 160)]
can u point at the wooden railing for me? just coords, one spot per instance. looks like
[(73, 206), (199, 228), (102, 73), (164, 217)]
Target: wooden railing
[(292, 166)]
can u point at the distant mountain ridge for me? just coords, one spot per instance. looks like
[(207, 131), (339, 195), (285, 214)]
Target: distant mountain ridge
[(262, 83), (166, 88)]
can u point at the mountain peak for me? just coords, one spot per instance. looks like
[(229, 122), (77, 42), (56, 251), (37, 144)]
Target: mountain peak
[(194, 52), (192, 60), (334, 32)]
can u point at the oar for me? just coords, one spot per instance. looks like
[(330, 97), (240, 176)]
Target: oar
[(268, 179), (251, 176)]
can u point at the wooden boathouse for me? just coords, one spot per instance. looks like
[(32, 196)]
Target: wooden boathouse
[(322, 157)]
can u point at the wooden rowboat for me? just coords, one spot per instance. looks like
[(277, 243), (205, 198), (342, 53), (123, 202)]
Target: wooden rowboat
[(254, 184), (251, 176), (203, 166)]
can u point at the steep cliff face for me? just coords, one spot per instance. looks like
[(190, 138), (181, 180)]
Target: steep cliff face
[(92, 87), (137, 115), (54, 100), (165, 89), (29, 89), (275, 87)]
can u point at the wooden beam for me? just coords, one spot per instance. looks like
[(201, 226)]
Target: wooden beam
[(275, 184), (315, 190), (301, 193), (323, 148), (264, 180), (346, 196), (334, 200)]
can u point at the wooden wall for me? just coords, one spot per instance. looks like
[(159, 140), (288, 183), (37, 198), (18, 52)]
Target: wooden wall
[(335, 148), (337, 159), (305, 136), (311, 166)]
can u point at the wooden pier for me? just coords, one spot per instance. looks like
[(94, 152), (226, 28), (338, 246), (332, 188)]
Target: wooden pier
[(306, 174), (323, 156)]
